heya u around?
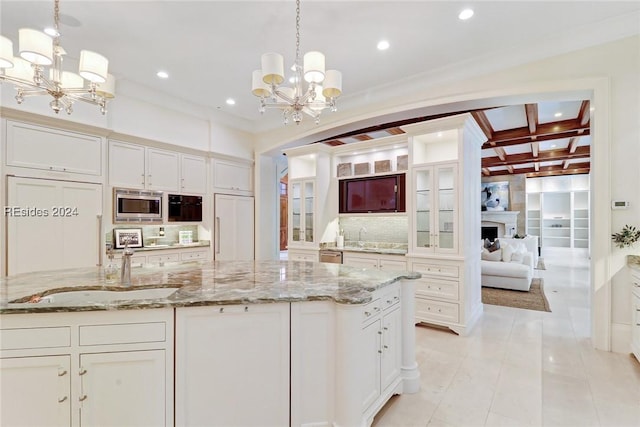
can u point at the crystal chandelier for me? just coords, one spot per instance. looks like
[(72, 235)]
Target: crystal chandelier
[(322, 90), (40, 52)]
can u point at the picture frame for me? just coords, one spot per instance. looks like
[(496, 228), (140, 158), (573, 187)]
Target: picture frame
[(133, 234), (494, 196)]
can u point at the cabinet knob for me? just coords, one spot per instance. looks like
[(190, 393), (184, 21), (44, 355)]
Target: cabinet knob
[(366, 313), (385, 346), (62, 399), (379, 332), (82, 398), (246, 309), (221, 309), (385, 328)]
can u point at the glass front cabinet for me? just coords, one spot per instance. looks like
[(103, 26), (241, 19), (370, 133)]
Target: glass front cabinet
[(302, 195), (435, 204)]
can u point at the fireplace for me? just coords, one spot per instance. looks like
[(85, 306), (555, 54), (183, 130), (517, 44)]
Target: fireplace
[(490, 233)]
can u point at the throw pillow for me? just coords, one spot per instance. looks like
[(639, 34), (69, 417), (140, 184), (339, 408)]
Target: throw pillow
[(507, 253), (518, 254), (491, 256), (487, 243), (494, 246)]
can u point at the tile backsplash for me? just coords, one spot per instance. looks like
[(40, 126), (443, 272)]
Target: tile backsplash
[(382, 229)]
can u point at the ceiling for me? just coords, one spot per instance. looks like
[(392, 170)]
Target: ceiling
[(210, 48)]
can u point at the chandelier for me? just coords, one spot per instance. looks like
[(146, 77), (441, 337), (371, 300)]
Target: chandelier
[(38, 70), (322, 90)]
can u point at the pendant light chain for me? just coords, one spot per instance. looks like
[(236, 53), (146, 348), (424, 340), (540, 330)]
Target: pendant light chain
[(297, 34)]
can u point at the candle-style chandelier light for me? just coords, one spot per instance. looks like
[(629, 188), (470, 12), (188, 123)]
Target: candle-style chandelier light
[(323, 87), (38, 70)]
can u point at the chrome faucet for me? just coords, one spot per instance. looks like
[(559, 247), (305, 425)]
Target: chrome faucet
[(362, 230), (125, 271)]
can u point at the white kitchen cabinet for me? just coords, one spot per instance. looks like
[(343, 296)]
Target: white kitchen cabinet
[(303, 255), (193, 174), (635, 313), (444, 227), (63, 153), (232, 176), (87, 368), (115, 386), (435, 209), (63, 230), (376, 261), (35, 391), (302, 211), (137, 166), (192, 255), (244, 347), (234, 222)]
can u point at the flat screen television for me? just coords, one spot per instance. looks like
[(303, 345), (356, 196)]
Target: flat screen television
[(373, 194)]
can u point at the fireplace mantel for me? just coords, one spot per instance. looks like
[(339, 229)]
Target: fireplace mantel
[(507, 221)]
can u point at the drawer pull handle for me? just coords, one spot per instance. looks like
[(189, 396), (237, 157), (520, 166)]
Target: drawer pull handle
[(379, 351), (396, 298), (221, 309), (366, 313), (62, 373), (376, 308), (379, 332), (386, 346), (389, 301), (246, 309), (385, 328), (82, 371), (439, 311), (62, 399), (83, 398)]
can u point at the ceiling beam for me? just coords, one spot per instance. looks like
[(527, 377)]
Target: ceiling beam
[(506, 142), (363, 137), (532, 118), (482, 120), (584, 116), (544, 156), (573, 144), (575, 169)]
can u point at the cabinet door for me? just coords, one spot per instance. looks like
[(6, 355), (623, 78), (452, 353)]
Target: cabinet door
[(162, 170), (193, 174), (424, 235), (309, 211), (37, 147), (296, 233), (67, 236), (126, 165), (124, 389), (360, 261), (392, 265), (234, 235), (246, 348), (230, 175), (370, 363), (35, 391), (391, 347), (446, 200)]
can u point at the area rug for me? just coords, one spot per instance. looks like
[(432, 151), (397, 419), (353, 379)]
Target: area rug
[(540, 265), (532, 300)]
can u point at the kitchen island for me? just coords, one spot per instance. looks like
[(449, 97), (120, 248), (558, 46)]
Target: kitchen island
[(251, 343)]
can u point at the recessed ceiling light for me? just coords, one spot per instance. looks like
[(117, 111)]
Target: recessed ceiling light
[(383, 45), (558, 114), (162, 74), (465, 14), (51, 31), (231, 101)]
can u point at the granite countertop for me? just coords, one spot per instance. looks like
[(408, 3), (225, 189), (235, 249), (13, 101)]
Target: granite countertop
[(199, 283), (370, 247), (172, 246)]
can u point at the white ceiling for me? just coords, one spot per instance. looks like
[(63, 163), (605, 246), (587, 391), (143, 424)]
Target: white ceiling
[(210, 48)]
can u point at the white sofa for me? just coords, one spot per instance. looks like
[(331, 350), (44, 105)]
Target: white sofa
[(509, 274), (530, 242)]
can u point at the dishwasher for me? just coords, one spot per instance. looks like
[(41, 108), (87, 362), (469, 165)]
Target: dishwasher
[(334, 257)]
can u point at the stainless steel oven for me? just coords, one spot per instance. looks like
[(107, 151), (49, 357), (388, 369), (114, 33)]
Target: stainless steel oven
[(137, 206)]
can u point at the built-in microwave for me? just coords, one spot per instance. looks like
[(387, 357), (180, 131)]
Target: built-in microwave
[(141, 206), (184, 208)]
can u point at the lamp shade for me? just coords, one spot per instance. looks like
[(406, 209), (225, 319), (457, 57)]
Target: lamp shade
[(21, 70), (35, 47), (314, 67), (6, 52), (107, 89), (93, 66), (332, 84), (272, 68), (258, 87)]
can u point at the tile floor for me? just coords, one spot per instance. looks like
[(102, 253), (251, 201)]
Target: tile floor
[(523, 367)]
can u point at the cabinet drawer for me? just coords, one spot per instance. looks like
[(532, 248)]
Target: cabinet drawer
[(436, 311), (18, 339), (128, 333), (190, 256), (436, 269), (371, 310), (159, 259), (436, 288), (390, 298)]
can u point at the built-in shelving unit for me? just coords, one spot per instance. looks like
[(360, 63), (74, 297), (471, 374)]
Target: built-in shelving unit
[(558, 210)]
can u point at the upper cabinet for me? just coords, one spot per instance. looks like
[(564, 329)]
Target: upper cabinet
[(138, 166), (232, 176), (59, 152)]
